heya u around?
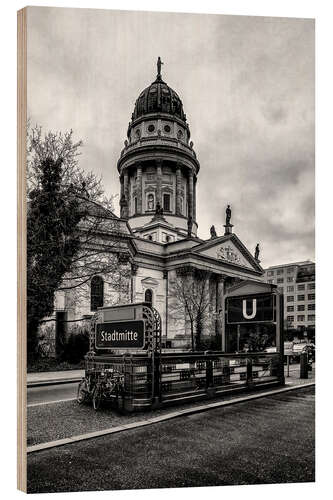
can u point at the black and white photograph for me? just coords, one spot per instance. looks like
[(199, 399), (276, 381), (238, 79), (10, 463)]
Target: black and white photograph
[(168, 188)]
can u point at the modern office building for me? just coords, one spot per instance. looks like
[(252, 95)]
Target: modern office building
[(296, 280)]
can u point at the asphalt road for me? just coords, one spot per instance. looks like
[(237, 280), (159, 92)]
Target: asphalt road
[(270, 440), (51, 393)]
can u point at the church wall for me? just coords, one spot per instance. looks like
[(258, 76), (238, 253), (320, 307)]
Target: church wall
[(151, 279)]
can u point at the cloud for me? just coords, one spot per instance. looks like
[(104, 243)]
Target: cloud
[(247, 85)]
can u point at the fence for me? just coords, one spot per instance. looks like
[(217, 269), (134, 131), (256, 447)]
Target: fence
[(158, 380)]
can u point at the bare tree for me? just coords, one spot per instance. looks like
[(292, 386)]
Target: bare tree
[(191, 300), (72, 232)]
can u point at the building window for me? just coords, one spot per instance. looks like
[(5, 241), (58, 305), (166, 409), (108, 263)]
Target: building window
[(300, 297), (311, 317), (290, 288), (96, 293), (290, 298), (166, 202), (279, 280), (150, 202), (301, 287), (279, 271), (269, 281), (311, 307), (149, 296), (290, 308), (290, 279), (311, 296), (280, 289), (301, 317), (290, 318), (270, 273), (311, 286), (290, 270), (301, 307)]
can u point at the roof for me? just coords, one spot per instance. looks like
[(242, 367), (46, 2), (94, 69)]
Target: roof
[(300, 263), (159, 98)]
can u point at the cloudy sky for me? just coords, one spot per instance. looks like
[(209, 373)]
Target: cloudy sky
[(247, 85)]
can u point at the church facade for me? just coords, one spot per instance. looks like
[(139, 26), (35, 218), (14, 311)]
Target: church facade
[(159, 174)]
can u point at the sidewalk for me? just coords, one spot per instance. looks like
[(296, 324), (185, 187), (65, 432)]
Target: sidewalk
[(53, 378)]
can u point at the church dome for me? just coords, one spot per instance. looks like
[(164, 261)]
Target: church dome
[(159, 98)]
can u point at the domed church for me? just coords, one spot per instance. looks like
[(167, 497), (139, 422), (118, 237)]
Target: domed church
[(158, 173)]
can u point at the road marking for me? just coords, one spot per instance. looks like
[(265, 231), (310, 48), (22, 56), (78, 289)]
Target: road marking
[(50, 402), (161, 418)]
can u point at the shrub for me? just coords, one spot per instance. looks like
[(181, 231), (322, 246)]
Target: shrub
[(75, 347)]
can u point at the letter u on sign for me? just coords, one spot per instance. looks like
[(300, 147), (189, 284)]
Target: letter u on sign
[(254, 309)]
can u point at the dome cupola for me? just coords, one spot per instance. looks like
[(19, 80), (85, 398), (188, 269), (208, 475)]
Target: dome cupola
[(158, 166), (159, 98)]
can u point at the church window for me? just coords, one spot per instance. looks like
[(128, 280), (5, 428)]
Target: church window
[(135, 205), (150, 201), (167, 129), (96, 293), (166, 202), (151, 128), (149, 296)]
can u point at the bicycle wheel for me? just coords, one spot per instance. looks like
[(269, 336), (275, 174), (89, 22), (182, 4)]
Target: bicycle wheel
[(82, 392), (97, 397)]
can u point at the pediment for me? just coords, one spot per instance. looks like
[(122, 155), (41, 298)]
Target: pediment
[(250, 288), (229, 250), (149, 281)]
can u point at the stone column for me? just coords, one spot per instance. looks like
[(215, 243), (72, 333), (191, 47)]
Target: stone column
[(159, 182), (126, 186), (190, 194), (121, 186), (139, 187), (195, 199), (220, 309), (178, 189)]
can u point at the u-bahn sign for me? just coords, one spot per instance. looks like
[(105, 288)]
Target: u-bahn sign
[(255, 308), (120, 335)]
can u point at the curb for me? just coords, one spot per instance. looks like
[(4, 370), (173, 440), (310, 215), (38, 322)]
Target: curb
[(161, 418), (41, 383)]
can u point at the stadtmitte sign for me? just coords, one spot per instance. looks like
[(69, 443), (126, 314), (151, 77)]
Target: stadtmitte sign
[(120, 335)]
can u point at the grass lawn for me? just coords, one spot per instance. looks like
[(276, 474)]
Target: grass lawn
[(270, 440)]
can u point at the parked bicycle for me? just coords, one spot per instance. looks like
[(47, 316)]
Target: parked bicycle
[(99, 387)]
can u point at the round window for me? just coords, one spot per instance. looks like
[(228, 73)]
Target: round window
[(167, 129), (138, 132), (179, 134), (151, 128)]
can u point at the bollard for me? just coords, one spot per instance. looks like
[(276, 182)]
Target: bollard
[(304, 366)]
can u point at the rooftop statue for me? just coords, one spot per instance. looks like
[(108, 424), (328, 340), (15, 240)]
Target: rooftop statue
[(228, 216), (159, 209), (213, 232), (159, 65), (256, 252), (189, 226)]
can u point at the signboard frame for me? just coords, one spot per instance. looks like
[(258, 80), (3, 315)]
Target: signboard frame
[(272, 321), (118, 348)]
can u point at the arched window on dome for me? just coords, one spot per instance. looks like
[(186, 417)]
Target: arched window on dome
[(96, 293), (149, 296), (150, 201)]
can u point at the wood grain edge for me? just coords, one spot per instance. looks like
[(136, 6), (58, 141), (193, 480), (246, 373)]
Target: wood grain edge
[(21, 250)]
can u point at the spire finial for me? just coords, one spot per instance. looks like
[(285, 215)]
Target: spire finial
[(159, 64)]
